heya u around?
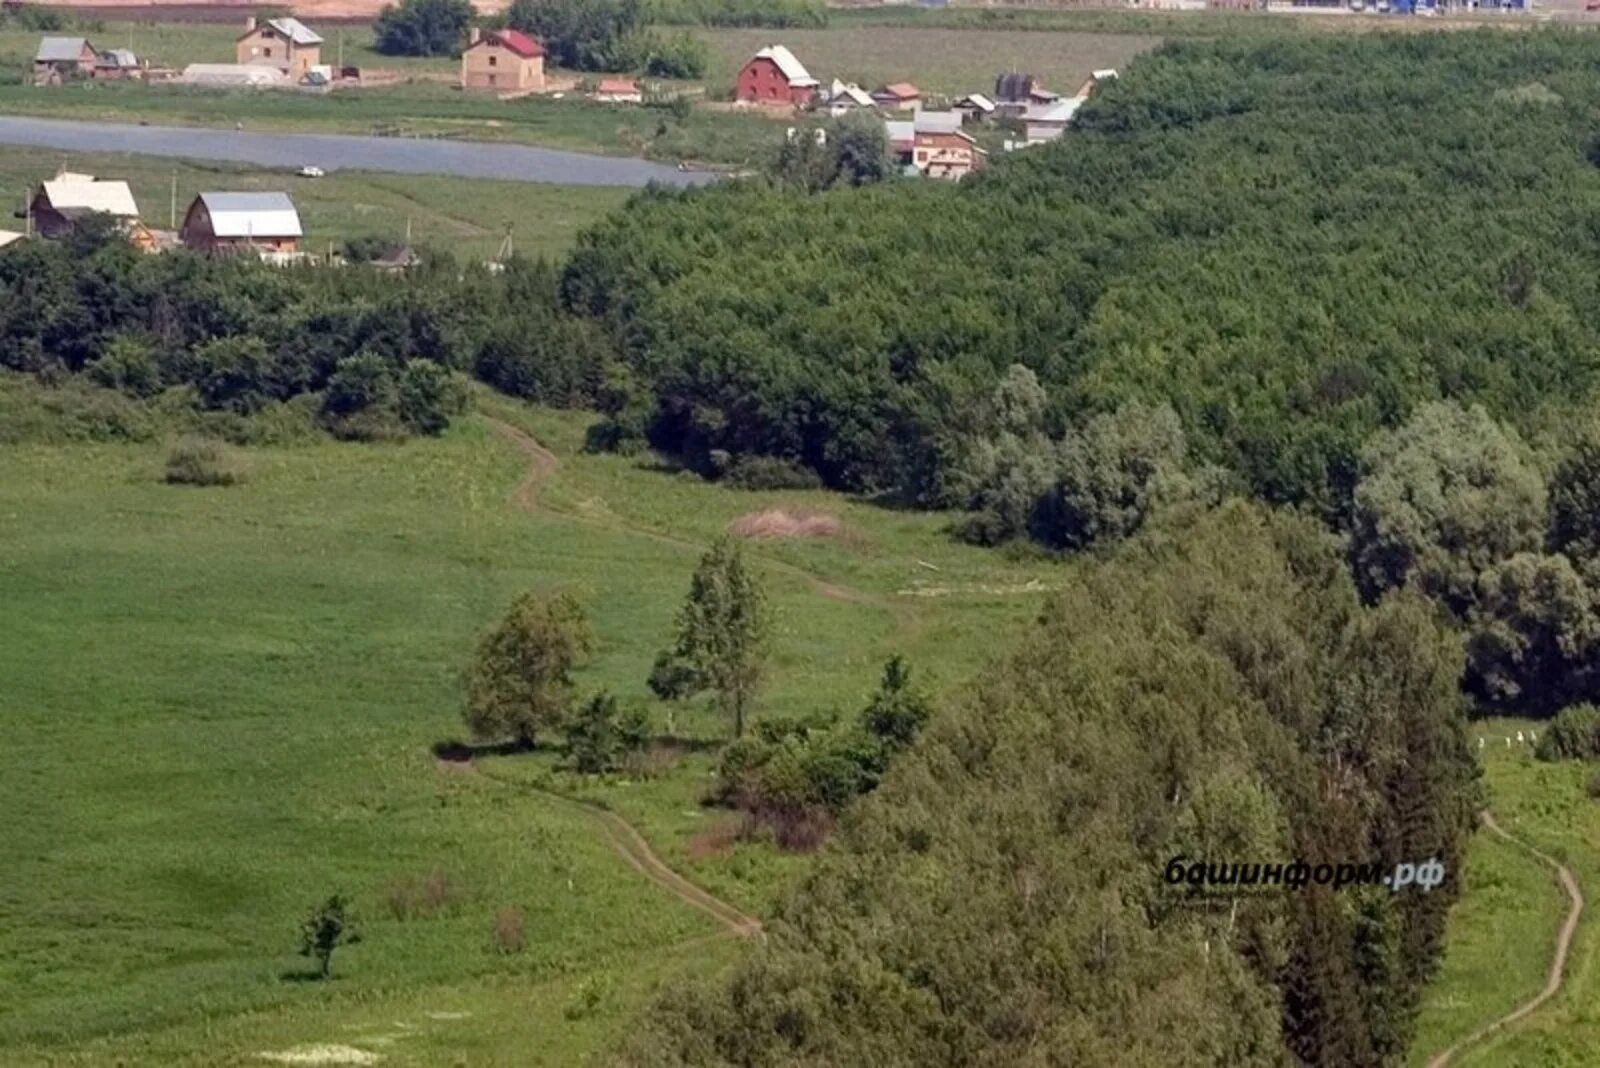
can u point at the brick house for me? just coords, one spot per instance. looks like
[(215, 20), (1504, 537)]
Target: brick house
[(285, 44), (774, 76), (506, 61), (948, 154)]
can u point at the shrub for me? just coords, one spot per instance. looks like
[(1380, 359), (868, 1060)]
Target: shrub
[(770, 473), (1573, 735), (1591, 785), (196, 461), (601, 734), (509, 931), (422, 898)]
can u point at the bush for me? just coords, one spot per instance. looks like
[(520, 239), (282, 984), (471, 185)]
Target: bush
[(196, 461), (1573, 735), (509, 930), (601, 734), (422, 898), (1591, 785), (422, 27), (770, 473)]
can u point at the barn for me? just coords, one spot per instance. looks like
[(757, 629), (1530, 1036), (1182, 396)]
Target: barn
[(241, 222), (774, 76)]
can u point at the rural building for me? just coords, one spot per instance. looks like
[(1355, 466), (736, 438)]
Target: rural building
[(1046, 122), (844, 98), (116, 63), (60, 58), (285, 44), (241, 222), (948, 154), (1095, 81), (503, 60), (901, 96), (1015, 93), (59, 203), (618, 91), (774, 76), (975, 107), (9, 237)]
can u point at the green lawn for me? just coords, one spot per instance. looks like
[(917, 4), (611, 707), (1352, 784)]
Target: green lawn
[(467, 217), (1502, 932), (221, 706)]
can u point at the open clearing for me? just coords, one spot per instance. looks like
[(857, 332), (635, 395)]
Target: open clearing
[(1503, 932), (223, 705)]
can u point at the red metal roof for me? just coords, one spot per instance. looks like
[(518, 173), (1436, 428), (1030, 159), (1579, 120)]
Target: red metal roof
[(517, 41), (902, 90)]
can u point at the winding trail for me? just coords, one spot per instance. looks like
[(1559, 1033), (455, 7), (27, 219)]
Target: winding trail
[(1558, 963)]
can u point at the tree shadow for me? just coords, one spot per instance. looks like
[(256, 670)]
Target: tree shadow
[(455, 751), (302, 975)]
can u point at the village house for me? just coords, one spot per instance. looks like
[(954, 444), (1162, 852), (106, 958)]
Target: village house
[(116, 64), (900, 96), (285, 44), (974, 107), (933, 144), (774, 76), (59, 203), (1014, 93), (844, 98), (242, 222), (1095, 80), (1047, 122), (61, 58), (618, 91), (506, 61)]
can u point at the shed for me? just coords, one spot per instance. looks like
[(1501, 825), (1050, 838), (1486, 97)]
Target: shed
[(60, 58), (61, 201)]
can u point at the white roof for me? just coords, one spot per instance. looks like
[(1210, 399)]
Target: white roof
[(1061, 111), (791, 67), (81, 195), (60, 50), (850, 91), (937, 122), (295, 30), (252, 214), (899, 130), (234, 74), (979, 101), (8, 237), (119, 57), (1103, 75)]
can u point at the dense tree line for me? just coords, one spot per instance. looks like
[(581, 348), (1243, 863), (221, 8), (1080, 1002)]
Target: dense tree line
[(1217, 692), (1289, 243), (374, 355), (422, 27)]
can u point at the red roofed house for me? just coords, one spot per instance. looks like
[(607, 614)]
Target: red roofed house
[(506, 61), (775, 76), (901, 96)]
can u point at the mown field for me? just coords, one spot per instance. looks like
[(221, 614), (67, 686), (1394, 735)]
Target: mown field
[(1502, 932), (468, 218), (223, 705)]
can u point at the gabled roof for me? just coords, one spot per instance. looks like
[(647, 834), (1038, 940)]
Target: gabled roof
[(513, 41), (9, 237), (900, 91), (977, 100), (117, 57), (252, 214), (791, 68), (1059, 112), (61, 50), (293, 29), (80, 194), (852, 92)]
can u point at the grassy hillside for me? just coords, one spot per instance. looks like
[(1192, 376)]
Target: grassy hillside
[(222, 705), (467, 217)]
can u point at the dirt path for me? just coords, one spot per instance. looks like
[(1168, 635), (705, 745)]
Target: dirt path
[(626, 840), (542, 463), (1558, 963)]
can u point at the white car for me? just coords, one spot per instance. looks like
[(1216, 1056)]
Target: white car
[(312, 172)]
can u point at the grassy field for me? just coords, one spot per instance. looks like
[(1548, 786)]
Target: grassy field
[(223, 703), (467, 217), (949, 61), (1502, 933)]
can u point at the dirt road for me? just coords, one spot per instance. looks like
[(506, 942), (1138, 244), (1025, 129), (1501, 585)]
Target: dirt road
[(1558, 962)]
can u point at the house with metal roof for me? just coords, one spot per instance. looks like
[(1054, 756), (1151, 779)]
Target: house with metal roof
[(61, 58), (975, 106), (1046, 122), (774, 76), (235, 223), (286, 44), (845, 97), (898, 96), (116, 63), (59, 203)]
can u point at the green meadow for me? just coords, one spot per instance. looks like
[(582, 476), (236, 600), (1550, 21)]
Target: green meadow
[(223, 705)]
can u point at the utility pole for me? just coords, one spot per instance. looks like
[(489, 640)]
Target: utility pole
[(408, 230), (172, 204), (341, 48)]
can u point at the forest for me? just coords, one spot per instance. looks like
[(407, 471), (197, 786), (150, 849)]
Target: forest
[(1289, 348)]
